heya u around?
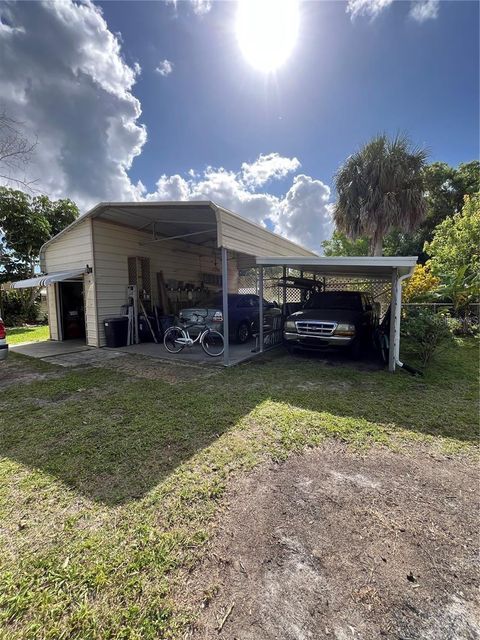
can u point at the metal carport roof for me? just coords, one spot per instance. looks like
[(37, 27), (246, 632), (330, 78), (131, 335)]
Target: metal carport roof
[(380, 267), (198, 222)]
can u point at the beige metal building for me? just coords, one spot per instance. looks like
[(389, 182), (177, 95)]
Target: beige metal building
[(115, 244)]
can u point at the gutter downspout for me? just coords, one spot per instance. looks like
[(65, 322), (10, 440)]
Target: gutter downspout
[(398, 311)]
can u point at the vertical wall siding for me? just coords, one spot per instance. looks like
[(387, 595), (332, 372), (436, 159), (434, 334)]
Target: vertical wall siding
[(52, 312), (178, 260), (70, 251), (90, 309)]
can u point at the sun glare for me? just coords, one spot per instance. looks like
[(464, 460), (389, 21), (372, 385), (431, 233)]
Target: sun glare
[(267, 31)]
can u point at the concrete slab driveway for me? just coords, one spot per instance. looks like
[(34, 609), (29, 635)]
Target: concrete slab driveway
[(71, 353)]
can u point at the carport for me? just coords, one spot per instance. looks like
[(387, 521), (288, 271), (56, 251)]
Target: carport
[(382, 276)]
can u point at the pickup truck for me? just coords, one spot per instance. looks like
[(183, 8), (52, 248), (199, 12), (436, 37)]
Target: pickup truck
[(344, 319)]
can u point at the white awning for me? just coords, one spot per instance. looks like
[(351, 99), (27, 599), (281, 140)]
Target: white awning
[(49, 278)]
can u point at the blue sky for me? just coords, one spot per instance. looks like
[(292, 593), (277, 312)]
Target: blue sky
[(345, 81), (155, 100)]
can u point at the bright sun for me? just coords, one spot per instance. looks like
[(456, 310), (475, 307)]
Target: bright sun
[(267, 31)]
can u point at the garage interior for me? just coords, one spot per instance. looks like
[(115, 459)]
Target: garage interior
[(71, 309)]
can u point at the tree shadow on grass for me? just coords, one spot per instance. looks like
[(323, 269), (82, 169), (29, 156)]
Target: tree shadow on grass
[(113, 438)]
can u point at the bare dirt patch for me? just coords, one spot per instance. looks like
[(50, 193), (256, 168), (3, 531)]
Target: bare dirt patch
[(155, 369), (336, 544), (16, 370)]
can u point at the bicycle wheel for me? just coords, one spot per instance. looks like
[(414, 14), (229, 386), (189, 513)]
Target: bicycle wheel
[(384, 348), (174, 339), (212, 343)]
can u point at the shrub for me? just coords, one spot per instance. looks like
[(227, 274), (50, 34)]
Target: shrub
[(18, 308), (428, 331), (421, 285)]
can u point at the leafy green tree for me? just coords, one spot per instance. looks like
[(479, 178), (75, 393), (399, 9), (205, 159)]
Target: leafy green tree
[(456, 241), (340, 245), (460, 288), (455, 258), (445, 189), (380, 188), (26, 223)]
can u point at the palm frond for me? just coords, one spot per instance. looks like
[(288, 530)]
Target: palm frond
[(381, 187)]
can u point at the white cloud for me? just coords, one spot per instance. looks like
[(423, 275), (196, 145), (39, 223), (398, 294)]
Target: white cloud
[(369, 8), (165, 67), (200, 7), (63, 76), (267, 167), (302, 214), (422, 10)]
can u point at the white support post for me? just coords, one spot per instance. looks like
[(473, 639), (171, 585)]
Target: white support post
[(393, 322), (398, 317), (260, 309), (226, 352), (284, 302)]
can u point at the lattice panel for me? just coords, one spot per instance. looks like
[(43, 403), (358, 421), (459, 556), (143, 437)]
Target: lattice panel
[(272, 291), (139, 274), (248, 281), (132, 271), (380, 290)]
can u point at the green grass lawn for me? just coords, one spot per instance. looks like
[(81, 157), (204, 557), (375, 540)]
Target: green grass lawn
[(109, 483), (31, 333)]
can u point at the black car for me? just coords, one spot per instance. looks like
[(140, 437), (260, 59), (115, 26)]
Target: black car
[(345, 319), (243, 312)]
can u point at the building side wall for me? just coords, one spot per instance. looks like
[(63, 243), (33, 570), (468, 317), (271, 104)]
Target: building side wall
[(177, 259), (73, 250)]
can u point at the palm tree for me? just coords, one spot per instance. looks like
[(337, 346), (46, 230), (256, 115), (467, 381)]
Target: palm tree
[(380, 188)]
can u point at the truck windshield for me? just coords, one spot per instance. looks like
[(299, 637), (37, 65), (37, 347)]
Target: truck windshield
[(335, 300)]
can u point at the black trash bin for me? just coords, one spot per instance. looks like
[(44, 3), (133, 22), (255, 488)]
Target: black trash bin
[(116, 331), (144, 333)]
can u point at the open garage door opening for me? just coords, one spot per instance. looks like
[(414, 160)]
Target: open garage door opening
[(71, 309)]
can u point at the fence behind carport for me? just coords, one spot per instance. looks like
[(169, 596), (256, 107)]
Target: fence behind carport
[(470, 318)]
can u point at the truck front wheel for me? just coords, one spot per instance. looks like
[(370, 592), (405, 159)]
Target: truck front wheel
[(356, 350)]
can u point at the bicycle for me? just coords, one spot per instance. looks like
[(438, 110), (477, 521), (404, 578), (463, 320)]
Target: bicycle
[(177, 338)]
